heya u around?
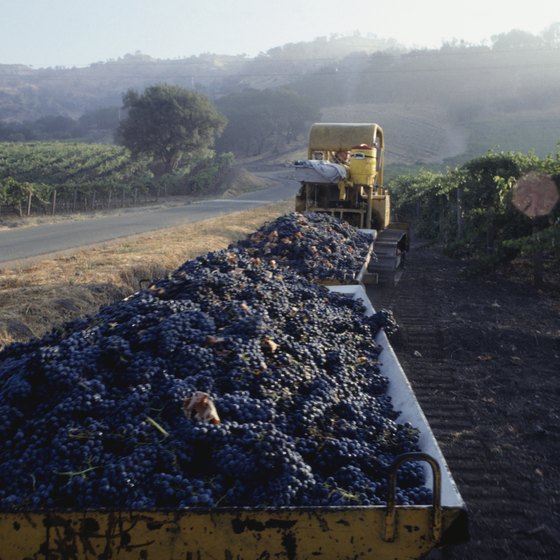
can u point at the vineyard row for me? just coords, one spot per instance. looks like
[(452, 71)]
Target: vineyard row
[(53, 177)]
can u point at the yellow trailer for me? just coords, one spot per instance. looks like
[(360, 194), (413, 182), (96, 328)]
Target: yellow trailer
[(391, 532), (295, 534)]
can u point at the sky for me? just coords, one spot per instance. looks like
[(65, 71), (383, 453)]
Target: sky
[(43, 33)]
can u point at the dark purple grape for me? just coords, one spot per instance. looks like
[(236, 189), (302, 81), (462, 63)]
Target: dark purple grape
[(92, 414)]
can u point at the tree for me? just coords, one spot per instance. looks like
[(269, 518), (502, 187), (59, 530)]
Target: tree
[(551, 35), (56, 127), (169, 123), (260, 121), (106, 118), (516, 39)]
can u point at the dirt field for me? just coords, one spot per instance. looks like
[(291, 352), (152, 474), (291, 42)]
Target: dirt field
[(483, 356)]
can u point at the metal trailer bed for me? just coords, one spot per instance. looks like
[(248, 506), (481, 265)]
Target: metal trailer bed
[(357, 532)]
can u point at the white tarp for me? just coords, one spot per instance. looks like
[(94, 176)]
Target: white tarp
[(319, 171)]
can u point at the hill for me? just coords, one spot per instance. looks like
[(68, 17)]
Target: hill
[(436, 106)]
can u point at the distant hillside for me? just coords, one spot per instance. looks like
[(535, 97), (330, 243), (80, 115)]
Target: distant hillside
[(447, 101), (413, 134), (434, 105), (27, 93)]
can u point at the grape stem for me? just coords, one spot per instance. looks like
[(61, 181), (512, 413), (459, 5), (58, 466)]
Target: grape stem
[(157, 426)]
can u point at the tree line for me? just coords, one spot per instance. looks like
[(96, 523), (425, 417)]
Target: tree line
[(517, 71), (30, 94), (166, 140), (257, 121), (165, 147), (92, 126)]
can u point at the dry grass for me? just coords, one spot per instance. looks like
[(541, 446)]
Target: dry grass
[(46, 294)]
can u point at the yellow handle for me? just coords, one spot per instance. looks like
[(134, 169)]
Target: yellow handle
[(391, 514)]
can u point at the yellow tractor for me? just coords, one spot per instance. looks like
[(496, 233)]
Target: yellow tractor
[(343, 176)]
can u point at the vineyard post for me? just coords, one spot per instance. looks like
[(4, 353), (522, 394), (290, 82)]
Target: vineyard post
[(538, 261), (459, 212), (442, 220)]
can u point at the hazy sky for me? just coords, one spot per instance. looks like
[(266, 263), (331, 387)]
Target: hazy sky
[(78, 32)]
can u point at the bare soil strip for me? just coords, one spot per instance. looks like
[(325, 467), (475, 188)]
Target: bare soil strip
[(483, 357)]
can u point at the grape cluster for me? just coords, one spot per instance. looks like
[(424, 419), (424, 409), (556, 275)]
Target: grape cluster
[(316, 245), (91, 414)]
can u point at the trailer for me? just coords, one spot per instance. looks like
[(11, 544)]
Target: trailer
[(295, 533), (389, 531)]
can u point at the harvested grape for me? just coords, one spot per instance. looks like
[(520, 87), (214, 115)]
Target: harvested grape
[(94, 414)]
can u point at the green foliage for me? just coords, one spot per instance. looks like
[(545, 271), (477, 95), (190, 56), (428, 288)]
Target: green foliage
[(470, 208), (50, 177), (20, 195), (208, 175), (545, 240), (167, 124), (487, 213), (56, 176), (426, 199), (204, 176)]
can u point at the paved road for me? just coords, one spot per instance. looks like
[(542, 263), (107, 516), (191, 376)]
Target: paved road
[(26, 242)]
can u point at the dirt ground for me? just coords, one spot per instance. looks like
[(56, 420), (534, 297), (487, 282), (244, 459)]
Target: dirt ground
[(483, 357)]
